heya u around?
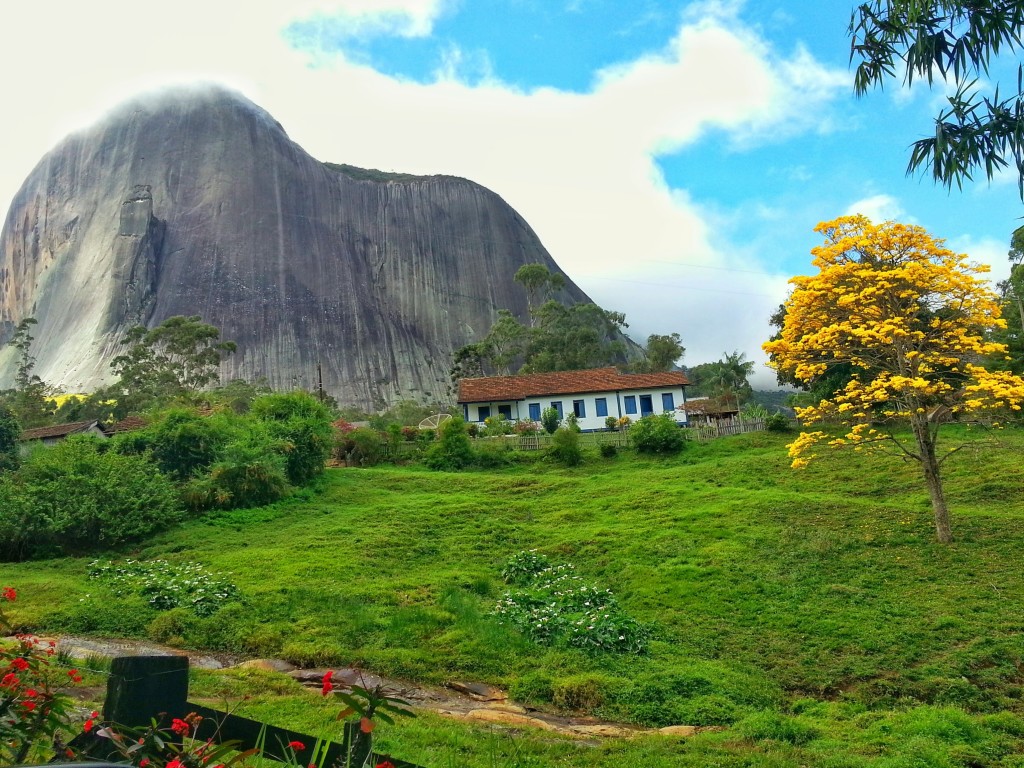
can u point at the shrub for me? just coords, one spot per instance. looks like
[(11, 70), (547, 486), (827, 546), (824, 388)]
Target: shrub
[(533, 686), (182, 444), (572, 423), (249, 473), (565, 447), (657, 434), (453, 451), (166, 585), (551, 605), (525, 427), (777, 422), (72, 498), (523, 567), (611, 423), (495, 426), (10, 431), (609, 451), (550, 420), (303, 424), (494, 453), (362, 445)]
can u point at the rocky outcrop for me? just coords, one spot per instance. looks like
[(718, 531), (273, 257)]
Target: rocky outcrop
[(196, 202)]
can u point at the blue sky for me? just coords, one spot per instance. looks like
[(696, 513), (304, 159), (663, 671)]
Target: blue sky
[(673, 156)]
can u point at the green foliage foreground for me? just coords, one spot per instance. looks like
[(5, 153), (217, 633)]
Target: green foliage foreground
[(810, 613)]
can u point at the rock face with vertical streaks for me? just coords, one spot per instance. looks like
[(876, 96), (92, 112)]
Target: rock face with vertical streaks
[(196, 202)]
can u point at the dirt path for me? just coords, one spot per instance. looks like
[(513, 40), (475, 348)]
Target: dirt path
[(475, 702)]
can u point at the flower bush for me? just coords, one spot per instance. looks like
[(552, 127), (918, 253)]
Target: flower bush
[(32, 710), (166, 585), (554, 606)]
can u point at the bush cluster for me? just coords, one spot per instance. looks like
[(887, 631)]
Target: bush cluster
[(87, 495), (657, 434), (166, 585), (565, 447), (75, 498), (553, 606), (230, 460)]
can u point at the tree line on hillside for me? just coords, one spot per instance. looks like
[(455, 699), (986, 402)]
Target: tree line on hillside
[(559, 337)]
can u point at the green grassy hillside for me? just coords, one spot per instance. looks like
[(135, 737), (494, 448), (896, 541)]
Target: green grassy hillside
[(809, 611)]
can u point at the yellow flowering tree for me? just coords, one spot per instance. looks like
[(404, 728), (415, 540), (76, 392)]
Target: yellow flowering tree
[(910, 317)]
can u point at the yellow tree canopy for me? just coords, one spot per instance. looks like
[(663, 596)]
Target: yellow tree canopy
[(909, 315)]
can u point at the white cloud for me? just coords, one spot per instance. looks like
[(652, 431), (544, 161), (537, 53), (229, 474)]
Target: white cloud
[(581, 168), (985, 251), (878, 208), (367, 18)]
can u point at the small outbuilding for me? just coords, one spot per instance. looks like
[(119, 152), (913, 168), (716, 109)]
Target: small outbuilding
[(55, 434)]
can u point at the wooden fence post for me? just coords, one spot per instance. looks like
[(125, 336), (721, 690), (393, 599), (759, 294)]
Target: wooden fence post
[(145, 688)]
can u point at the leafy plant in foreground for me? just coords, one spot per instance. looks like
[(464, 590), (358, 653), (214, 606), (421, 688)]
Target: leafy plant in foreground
[(32, 711)]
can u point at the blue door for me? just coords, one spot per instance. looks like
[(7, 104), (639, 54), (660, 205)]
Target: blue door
[(646, 406)]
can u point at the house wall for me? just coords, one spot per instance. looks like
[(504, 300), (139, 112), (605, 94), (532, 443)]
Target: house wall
[(615, 402)]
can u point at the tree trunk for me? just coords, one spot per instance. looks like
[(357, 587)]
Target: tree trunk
[(932, 479)]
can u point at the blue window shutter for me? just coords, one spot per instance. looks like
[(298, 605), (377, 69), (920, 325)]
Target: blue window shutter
[(484, 412), (534, 411), (557, 405), (579, 408), (668, 403), (630, 403), (601, 404), (505, 411)]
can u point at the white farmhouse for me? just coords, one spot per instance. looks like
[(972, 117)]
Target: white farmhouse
[(592, 395)]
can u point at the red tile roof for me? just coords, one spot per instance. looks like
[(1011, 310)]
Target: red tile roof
[(491, 389), (60, 430), (129, 424)]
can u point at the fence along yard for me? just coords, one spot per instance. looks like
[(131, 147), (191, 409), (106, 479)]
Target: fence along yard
[(618, 438)]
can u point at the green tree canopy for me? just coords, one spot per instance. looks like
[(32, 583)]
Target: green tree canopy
[(10, 431), (663, 351), (725, 378), (539, 282), (179, 356), (30, 397), (956, 41)]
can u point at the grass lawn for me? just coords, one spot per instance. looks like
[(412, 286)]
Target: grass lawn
[(809, 611)]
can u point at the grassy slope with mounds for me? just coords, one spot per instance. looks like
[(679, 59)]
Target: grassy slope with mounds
[(811, 610)]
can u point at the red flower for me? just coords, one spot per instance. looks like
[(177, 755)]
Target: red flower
[(20, 664), (9, 594), (31, 693), (386, 764), (143, 762), (298, 746), (9, 680), (29, 705), (328, 685), (366, 725), (75, 677), (90, 723), (180, 727), (175, 763)]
